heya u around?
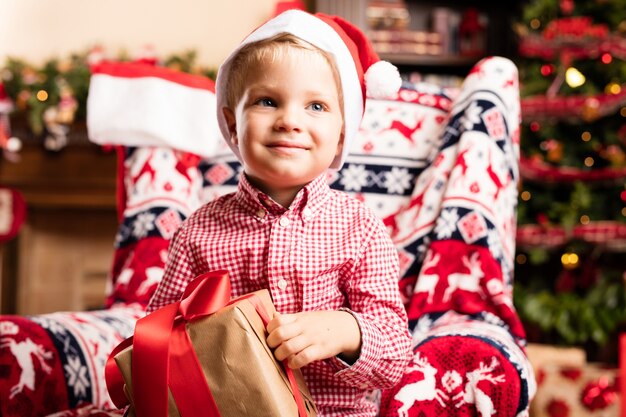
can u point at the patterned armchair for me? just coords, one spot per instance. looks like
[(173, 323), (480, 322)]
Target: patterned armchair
[(440, 167)]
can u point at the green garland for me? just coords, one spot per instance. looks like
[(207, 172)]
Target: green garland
[(34, 89), (592, 316)]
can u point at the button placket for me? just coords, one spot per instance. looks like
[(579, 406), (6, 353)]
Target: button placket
[(281, 240)]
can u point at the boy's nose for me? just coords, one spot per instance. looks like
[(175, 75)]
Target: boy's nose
[(288, 119)]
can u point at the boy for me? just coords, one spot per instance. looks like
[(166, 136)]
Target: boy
[(289, 99)]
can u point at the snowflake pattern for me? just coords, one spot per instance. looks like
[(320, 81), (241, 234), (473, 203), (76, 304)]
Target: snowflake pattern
[(446, 223), (77, 376), (354, 177), (143, 224), (398, 180), (51, 325), (471, 116), (123, 233)]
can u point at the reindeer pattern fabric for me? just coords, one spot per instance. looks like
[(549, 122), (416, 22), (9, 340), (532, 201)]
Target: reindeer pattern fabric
[(158, 188), (440, 169), (56, 361), (456, 239)]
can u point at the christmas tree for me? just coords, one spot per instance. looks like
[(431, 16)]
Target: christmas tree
[(571, 246)]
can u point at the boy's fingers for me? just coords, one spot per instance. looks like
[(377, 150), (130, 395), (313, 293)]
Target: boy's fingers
[(290, 347), (280, 328), (274, 322), (280, 320), (304, 357)]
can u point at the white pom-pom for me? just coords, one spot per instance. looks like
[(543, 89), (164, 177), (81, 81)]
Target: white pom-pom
[(382, 80)]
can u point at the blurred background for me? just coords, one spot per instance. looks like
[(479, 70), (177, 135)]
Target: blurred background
[(571, 238)]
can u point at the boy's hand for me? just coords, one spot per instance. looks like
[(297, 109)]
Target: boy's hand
[(306, 337)]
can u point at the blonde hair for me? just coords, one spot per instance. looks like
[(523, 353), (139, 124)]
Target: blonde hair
[(270, 49)]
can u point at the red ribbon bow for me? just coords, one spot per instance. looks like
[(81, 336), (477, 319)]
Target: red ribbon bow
[(599, 394), (163, 356)]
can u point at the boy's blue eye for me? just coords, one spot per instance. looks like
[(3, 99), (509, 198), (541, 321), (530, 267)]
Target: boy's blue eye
[(317, 107), (266, 102)]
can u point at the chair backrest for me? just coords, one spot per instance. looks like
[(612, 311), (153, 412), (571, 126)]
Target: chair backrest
[(396, 141)]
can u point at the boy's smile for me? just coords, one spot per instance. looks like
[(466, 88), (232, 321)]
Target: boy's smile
[(288, 124)]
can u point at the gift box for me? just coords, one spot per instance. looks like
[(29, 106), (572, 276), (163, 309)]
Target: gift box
[(541, 355), (206, 353), (591, 390)]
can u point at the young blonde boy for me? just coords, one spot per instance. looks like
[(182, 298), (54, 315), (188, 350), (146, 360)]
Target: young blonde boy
[(290, 99)]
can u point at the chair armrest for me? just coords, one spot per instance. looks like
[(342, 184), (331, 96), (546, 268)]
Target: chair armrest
[(53, 362)]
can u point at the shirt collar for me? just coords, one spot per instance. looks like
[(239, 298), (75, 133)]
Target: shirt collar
[(306, 203)]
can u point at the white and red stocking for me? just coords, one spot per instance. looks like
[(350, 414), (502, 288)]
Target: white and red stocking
[(161, 122)]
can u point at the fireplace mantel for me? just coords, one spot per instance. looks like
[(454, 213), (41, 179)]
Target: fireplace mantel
[(61, 257)]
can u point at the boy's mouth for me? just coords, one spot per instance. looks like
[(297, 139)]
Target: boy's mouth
[(289, 146)]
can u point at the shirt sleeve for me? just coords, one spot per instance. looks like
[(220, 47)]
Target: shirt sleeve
[(374, 301), (178, 272)]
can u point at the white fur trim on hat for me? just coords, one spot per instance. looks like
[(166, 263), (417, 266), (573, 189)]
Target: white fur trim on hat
[(151, 111)]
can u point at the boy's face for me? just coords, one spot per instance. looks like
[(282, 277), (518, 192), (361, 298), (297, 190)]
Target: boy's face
[(288, 123)]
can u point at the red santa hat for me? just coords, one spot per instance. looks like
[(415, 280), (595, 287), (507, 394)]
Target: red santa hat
[(136, 104), (361, 72)]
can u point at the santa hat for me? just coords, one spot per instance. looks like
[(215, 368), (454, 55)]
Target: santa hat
[(136, 104), (361, 72)]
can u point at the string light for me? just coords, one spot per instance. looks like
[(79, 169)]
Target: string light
[(42, 95), (589, 161), (569, 260), (623, 196), (535, 24), (613, 88), (606, 58), (574, 78), (624, 212), (586, 136), (521, 259), (546, 69), (584, 219), (623, 111), (525, 195), (534, 126)]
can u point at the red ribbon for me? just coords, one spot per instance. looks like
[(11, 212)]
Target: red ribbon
[(599, 394), (163, 355)]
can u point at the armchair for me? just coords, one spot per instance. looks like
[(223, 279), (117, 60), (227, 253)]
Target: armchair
[(439, 166)]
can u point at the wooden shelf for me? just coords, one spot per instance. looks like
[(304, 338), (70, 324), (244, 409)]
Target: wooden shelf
[(77, 176), (499, 36), (431, 60)]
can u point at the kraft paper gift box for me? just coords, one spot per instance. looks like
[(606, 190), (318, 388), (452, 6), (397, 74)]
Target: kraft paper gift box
[(541, 355), (242, 375)]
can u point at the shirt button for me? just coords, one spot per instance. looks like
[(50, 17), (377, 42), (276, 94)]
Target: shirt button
[(282, 284), (260, 214), (284, 222), (307, 212)]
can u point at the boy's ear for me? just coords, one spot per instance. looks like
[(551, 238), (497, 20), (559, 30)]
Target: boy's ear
[(229, 115)]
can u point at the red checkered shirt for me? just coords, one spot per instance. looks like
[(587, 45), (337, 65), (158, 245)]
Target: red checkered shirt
[(326, 252)]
